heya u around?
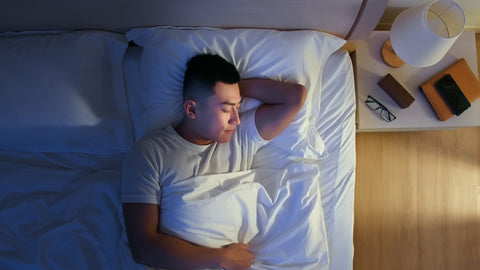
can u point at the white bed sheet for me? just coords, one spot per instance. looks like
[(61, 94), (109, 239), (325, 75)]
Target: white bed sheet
[(337, 172), (337, 169), (63, 210)]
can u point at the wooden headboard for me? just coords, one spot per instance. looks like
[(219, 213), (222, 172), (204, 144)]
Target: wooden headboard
[(350, 19)]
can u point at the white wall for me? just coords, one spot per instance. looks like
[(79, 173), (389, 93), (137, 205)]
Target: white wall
[(470, 7)]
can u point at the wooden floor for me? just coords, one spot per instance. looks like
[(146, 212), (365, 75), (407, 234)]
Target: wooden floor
[(417, 200)]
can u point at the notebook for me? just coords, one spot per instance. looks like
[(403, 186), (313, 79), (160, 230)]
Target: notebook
[(466, 81)]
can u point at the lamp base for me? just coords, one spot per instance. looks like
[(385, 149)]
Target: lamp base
[(390, 57)]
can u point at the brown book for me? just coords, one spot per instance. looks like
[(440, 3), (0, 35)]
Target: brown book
[(466, 81)]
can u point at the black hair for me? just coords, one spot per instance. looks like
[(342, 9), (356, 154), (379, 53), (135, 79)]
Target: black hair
[(203, 72)]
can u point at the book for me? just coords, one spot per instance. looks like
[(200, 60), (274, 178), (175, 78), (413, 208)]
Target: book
[(463, 76)]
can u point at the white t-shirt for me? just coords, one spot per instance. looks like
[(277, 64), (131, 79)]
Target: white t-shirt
[(163, 158)]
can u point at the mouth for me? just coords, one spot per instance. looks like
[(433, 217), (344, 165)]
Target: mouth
[(230, 131)]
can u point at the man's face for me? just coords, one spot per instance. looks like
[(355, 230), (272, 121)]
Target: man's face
[(218, 114)]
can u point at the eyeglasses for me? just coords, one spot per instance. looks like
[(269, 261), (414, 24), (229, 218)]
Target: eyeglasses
[(374, 105)]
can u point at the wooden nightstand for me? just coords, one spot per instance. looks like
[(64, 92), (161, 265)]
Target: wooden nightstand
[(370, 68)]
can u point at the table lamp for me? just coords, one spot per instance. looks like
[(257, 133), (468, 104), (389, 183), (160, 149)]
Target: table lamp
[(421, 36)]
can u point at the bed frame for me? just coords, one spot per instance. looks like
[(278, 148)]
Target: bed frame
[(349, 19)]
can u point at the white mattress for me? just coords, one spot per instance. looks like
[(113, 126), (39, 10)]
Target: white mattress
[(62, 211)]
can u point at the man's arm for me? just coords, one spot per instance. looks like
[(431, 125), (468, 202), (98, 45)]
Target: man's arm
[(281, 102), (150, 247)]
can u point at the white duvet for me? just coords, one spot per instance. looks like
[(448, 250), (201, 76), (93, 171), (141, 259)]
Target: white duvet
[(278, 212)]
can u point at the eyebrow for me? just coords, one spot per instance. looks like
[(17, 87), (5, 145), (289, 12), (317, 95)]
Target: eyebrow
[(232, 104)]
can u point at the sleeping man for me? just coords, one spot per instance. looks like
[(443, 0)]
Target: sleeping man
[(211, 139)]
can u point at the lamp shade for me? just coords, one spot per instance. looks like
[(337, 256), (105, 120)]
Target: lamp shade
[(422, 35)]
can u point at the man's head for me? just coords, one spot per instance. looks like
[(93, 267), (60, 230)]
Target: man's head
[(211, 99), (203, 72)]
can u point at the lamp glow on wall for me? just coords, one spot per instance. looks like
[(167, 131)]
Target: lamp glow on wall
[(421, 36)]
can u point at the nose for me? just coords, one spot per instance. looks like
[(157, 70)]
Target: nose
[(234, 118)]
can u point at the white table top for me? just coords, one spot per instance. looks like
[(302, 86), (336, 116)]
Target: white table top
[(370, 69)]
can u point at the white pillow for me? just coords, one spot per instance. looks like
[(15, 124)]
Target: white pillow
[(294, 56), (64, 92)]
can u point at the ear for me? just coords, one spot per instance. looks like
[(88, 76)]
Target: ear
[(190, 109)]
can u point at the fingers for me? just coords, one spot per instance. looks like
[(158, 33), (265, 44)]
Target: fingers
[(240, 257), (238, 245), (242, 245)]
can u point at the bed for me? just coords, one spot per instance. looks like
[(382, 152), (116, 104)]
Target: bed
[(80, 83)]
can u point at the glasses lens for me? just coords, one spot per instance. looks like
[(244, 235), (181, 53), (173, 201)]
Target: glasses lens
[(372, 104), (387, 116)]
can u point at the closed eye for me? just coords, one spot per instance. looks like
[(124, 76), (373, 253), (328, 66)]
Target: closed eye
[(237, 105), (226, 106)]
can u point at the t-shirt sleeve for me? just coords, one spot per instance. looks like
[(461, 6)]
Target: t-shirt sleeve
[(250, 129), (140, 180), (248, 140)]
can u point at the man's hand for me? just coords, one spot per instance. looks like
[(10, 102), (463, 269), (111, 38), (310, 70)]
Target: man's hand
[(236, 256)]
